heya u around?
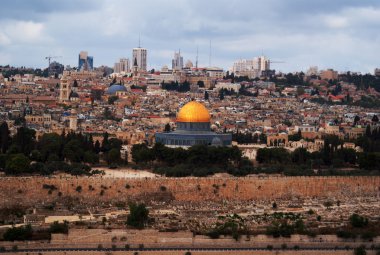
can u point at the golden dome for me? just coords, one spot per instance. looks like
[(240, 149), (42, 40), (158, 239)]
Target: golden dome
[(193, 112)]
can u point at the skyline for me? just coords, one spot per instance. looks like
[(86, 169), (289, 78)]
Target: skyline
[(340, 35)]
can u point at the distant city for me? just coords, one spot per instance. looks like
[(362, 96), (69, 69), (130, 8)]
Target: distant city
[(230, 157)]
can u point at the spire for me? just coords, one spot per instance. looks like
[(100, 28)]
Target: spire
[(196, 61), (135, 62)]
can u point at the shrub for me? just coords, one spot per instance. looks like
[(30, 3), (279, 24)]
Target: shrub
[(18, 233), (358, 221), (17, 164), (138, 215), (62, 228), (360, 251), (345, 234)]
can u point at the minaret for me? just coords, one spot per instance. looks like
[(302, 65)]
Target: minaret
[(73, 120), (64, 87)]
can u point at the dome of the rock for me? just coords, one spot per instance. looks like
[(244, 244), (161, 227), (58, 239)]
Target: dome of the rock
[(193, 112)]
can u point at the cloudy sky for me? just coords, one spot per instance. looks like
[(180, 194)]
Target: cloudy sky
[(339, 34)]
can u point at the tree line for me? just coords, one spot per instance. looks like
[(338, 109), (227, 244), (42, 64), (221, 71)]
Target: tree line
[(72, 152), (244, 138), (332, 154), (180, 87), (198, 160)]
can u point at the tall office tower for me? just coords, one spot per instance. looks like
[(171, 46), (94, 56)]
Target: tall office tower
[(85, 62), (263, 63), (177, 61), (140, 54), (122, 66)]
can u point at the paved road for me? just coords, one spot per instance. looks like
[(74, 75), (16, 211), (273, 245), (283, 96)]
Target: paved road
[(169, 249)]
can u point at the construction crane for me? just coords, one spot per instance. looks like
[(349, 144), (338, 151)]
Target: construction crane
[(275, 62), (49, 59)]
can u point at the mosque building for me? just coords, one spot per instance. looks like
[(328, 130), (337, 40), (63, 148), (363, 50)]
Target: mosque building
[(193, 128)]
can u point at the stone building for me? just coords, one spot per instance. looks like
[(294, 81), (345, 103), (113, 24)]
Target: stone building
[(193, 128)]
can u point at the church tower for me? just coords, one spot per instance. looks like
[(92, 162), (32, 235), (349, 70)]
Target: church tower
[(136, 74), (73, 120), (65, 87)]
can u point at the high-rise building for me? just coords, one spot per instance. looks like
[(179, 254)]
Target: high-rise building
[(85, 62), (140, 55), (251, 67), (377, 72), (122, 66), (263, 63), (329, 74), (313, 70), (177, 61)]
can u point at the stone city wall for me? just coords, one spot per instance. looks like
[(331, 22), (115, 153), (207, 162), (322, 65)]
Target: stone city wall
[(91, 190)]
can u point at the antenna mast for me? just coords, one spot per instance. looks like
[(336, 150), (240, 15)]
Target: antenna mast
[(196, 60), (209, 57)]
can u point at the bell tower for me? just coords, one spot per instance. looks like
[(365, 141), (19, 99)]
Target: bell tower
[(65, 87)]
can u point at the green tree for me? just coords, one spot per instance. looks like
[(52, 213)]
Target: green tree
[(113, 156), (300, 91), (50, 144), (300, 156), (18, 233), (356, 120), (358, 221), (112, 99), (90, 157), (4, 137), (105, 144), (24, 140), (360, 251), (138, 216), (17, 164), (201, 84), (57, 227), (167, 128), (73, 151), (97, 147), (221, 94), (206, 96), (142, 154)]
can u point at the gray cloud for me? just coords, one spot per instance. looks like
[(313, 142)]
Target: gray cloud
[(342, 34)]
